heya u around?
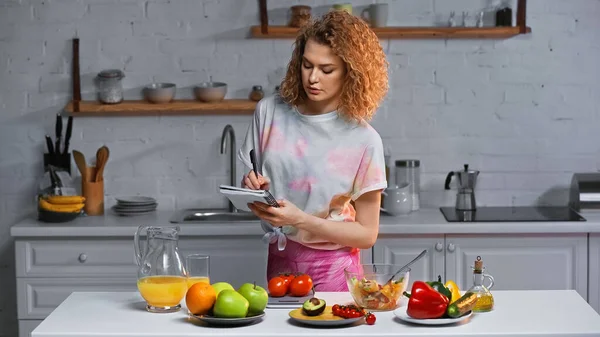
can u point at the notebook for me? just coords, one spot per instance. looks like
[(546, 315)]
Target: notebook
[(241, 197)]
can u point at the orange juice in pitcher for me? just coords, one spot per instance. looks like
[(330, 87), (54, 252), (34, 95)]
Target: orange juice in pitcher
[(163, 291), (162, 278)]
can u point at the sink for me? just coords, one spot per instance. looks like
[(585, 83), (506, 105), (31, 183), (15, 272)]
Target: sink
[(210, 215)]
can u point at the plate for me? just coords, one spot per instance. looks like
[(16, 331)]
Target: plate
[(229, 321), (129, 213), (137, 199), (325, 319), (401, 314), (134, 209)]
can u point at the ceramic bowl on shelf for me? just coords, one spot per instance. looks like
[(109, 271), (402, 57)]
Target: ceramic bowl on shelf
[(370, 288), (210, 92), (160, 92)]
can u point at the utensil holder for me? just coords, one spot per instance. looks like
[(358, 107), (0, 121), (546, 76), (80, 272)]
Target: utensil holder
[(60, 160), (93, 192)]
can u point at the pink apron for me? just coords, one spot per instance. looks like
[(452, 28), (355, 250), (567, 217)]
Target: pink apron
[(325, 267)]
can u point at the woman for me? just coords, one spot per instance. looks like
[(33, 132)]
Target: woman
[(318, 155)]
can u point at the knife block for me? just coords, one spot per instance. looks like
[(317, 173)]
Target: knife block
[(93, 192), (60, 160)]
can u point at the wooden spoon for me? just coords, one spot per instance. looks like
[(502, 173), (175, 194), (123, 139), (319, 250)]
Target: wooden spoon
[(81, 164), (101, 159)]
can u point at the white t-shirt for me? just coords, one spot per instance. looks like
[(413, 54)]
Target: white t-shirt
[(318, 162)]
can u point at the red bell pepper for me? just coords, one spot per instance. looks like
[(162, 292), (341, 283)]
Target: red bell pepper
[(425, 302)]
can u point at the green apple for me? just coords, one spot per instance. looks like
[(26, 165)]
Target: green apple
[(219, 286), (230, 304), (257, 297)]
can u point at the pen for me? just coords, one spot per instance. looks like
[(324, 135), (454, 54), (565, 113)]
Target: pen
[(253, 160)]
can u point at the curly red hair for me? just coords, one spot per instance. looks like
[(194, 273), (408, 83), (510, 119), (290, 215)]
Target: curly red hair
[(366, 80)]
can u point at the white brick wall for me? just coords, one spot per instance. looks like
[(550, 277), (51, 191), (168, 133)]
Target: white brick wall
[(524, 110)]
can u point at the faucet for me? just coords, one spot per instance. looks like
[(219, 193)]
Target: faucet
[(228, 130)]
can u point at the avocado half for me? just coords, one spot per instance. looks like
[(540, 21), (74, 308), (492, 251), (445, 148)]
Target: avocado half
[(313, 306)]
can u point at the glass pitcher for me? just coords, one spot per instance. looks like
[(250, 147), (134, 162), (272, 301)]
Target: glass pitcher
[(162, 277)]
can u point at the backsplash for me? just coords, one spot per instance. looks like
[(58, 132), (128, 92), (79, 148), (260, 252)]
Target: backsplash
[(521, 110)]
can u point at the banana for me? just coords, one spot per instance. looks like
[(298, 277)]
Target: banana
[(65, 199), (73, 208)]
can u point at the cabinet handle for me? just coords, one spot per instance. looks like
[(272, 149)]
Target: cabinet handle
[(82, 258), (439, 246), (451, 247)]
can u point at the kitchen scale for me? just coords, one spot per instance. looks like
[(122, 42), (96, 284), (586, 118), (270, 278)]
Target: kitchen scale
[(512, 214), (287, 302)]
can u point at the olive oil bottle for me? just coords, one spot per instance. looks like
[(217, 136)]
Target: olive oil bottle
[(485, 299)]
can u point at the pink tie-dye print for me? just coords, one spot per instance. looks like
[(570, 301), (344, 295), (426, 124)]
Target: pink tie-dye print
[(302, 184), (368, 175), (272, 138), (343, 161), (300, 147)]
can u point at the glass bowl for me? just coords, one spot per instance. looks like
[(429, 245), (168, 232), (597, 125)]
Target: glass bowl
[(368, 289)]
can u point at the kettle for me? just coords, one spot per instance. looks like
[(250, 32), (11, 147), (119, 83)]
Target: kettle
[(465, 180)]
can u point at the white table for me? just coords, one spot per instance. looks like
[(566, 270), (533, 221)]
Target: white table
[(516, 313)]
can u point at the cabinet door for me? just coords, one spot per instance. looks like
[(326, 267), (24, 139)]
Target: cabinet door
[(75, 258), (26, 327), (594, 271), (521, 262), (38, 297), (401, 249), (233, 259), (366, 255)]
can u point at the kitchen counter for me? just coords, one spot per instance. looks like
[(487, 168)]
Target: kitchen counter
[(424, 221), (555, 313)]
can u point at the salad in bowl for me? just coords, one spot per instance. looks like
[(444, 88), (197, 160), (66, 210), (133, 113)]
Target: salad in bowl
[(372, 289)]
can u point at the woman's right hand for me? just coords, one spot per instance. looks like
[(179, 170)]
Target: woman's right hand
[(254, 182)]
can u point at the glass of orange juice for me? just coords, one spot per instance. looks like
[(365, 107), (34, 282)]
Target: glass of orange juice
[(198, 266)]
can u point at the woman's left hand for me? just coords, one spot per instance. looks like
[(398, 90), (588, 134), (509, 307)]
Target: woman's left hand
[(287, 214)]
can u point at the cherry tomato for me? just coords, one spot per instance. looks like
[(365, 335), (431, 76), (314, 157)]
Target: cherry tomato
[(277, 287), (335, 309), (301, 285), (370, 319)]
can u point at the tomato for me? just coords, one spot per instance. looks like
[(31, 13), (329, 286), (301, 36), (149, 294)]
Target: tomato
[(287, 277), (335, 309), (301, 285), (277, 287), (370, 319)]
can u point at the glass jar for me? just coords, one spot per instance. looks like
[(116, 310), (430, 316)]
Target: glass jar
[(300, 15), (257, 93), (110, 88), (408, 172)]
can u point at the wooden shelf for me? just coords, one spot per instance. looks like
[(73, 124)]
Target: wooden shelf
[(174, 108), (285, 32)]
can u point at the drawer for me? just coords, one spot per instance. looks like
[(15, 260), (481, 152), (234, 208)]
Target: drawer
[(38, 297), (81, 258), (26, 327)]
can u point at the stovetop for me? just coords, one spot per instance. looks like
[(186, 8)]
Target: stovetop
[(512, 214)]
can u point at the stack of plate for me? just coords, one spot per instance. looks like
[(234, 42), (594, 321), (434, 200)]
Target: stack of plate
[(136, 205)]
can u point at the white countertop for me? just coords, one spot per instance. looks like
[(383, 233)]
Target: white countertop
[(558, 313), (424, 221)]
